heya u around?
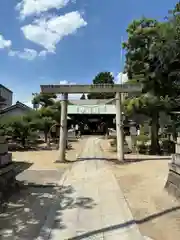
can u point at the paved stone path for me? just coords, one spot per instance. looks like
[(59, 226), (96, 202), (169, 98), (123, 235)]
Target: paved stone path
[(92, 205)]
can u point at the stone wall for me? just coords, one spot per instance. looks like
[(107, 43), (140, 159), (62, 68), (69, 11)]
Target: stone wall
[(5, 157), (7, 173), (173, 181)]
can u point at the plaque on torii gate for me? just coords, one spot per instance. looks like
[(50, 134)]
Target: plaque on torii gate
[(93, 88)]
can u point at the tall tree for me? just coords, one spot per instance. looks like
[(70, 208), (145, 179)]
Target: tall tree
[(56, 111), (166, 56), (143, 35), (165, 53), (102, 78)]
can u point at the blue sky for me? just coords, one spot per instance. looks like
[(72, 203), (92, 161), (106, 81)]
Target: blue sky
[(64, 40)]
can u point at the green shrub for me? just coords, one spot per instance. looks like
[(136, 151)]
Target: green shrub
[(142, 138), (142, 143), (167, 146), (126, 148), (114, 142), (143, 149)]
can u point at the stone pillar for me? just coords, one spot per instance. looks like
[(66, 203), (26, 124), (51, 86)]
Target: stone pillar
[(5, 157), (63, 128), (119, 128), (133, 133), (7, 173), (173, 181)]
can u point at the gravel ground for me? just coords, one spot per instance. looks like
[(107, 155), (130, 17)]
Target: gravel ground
[(157, 213)]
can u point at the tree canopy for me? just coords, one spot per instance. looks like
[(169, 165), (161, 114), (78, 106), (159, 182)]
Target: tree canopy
[(102, 78), (43, 99), (152, 58)]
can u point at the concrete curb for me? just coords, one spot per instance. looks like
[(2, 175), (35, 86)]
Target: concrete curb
[(46, 229)]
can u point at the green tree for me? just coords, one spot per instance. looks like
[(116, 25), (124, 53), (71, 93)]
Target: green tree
[(42, 120), (4, 126), (141, 64), (56, 111), (49, 113), (102, 78), (43, 99), (45, 120), (146, 104), (44, 124), (19, 129), (165, 57)]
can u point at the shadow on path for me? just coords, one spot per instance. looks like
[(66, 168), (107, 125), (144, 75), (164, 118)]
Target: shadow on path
[(126, 224), (127, 160), (15, 168), (97, 158), (24, 214)]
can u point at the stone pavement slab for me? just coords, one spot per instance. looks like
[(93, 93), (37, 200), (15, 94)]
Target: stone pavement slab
[(95, 207)]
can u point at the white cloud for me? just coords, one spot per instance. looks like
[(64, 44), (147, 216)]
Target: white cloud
[(121, 78), (47, 32), (64, 82), (4, 43), (36, 7), (43, 53), (28, 54)]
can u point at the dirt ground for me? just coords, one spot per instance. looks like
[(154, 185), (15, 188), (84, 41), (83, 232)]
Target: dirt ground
[(45, 159), (156, 212)]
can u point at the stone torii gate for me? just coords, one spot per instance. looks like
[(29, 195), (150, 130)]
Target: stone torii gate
[(95, 88)]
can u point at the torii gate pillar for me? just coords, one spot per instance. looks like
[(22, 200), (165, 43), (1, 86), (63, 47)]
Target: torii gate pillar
[(63, 129), (119, 128)]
